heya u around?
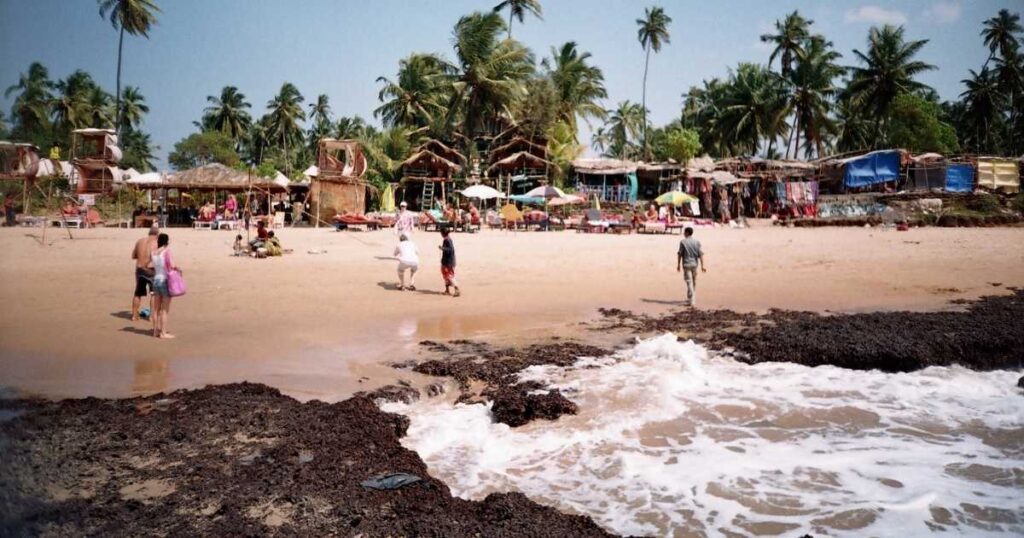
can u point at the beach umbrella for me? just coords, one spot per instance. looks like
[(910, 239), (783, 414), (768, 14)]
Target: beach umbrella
[(482, 192), (387, 199), (597, 202), (527, 199), (568, 199), (675, 198), (547, 192)]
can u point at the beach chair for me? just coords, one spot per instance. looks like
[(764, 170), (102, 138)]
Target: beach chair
[(202, 224), (593, 222)]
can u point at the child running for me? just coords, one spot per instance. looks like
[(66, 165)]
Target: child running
[(448, 263), (408, 258)]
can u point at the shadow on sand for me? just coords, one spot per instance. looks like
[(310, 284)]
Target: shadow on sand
[(124, 314), (660, 301), (135, 330)]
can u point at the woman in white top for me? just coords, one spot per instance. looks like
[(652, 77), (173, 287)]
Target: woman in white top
[(161, 296), (408, 258)]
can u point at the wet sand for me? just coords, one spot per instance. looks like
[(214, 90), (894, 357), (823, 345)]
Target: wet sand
[(325, 325)]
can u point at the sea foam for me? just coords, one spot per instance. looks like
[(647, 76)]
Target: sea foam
[(671, 440)]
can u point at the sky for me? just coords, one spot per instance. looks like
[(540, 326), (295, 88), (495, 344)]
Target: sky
[(340, 47)]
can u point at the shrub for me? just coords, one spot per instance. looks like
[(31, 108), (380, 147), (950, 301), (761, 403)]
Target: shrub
[(1018, 203), (984, 203)]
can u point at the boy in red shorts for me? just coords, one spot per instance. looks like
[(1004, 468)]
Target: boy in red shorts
[(448, 263)]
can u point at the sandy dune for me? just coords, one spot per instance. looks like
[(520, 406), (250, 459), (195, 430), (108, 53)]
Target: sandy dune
[(322, 325)]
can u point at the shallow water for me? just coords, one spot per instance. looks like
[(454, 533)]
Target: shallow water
[(671, 441)]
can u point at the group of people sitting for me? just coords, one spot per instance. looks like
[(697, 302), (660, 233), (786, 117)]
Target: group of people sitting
[(89, 216), (208, 211), (466, 217), (265, 244)]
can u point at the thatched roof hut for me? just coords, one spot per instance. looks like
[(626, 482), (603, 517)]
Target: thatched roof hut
[(440, 149), (216, 176), (522, 162), (516, 145), (425, 165)]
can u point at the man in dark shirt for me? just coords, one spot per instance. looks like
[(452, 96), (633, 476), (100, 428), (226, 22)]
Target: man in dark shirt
[(689, 254), (448, 263)]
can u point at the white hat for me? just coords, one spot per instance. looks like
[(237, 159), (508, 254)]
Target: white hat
[(403, 204)]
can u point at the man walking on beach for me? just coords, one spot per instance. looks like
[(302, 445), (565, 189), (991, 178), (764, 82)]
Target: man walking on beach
[(448, 263), (686, 261), (142, 254)]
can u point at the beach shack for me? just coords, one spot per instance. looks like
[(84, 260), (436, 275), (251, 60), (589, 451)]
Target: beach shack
[(517, 163), (429, 173), (337, 185), (927, 172), (656, 178), (610, 180), (94, 156), (999, 173)]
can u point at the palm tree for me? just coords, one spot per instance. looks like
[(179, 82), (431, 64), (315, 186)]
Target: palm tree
[(138, 151), (753, 107), (417, 98), (652, 32), (579, 86), (600, 140), (491, 73), (623, 127), (133, 108), (984, 103), (132, 16), (285, 112), (888, 71), (1000, 33), (70, 106), (518, 9), (813, 89), (99, 109), (350, 128), (789, 38), (853, 131), (320, 111), (228, 113), (29, 112)]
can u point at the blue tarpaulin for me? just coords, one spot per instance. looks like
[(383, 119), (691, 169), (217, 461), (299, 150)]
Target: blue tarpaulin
[(960, 178), (873, 168), (633, 186)]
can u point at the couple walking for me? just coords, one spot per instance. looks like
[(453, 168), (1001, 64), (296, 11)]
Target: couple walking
[(153, 265), (409, 260)]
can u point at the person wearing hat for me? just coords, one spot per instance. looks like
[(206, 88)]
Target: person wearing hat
[(142, 254), (406, 220)]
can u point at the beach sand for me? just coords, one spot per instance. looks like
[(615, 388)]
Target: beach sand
[(326, 325)]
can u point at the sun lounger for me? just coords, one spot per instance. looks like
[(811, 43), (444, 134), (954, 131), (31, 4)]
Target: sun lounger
[(652, 227), (30, 221), (66, 222), (200, 225), (353, 221), (226, 225)]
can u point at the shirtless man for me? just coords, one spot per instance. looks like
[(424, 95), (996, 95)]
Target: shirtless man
[(142, 254)]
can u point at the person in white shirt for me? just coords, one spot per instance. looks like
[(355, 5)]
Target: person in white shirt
[(406, 222), (408, 259)]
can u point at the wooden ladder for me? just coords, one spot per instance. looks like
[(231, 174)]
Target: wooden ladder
[(428, 195)]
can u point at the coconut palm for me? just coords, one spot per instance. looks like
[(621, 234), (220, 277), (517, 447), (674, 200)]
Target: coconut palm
[(652, 33), (132, 16), (1000, 33), (518, 9), (791, 33), (753, 107), (887, 72), (579, 86), (70, 107), (1009, 74), (34, 89), (418, 96), (100, 110), (984, 104), (624, 126), (600, 140), (138, 151), (350, 128), (813, 89), (853, 130), (133, 108), (491, 73), (228, 113), (285, 113)]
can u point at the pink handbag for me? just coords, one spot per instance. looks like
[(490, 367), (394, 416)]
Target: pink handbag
[(175, 283)]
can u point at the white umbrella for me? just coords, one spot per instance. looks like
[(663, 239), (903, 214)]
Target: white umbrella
[(546, 192), (482, 192)]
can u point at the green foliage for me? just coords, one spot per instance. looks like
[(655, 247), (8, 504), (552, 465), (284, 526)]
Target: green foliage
[(562, 149), (204, 148), (984, 203), (676, 143), (138, 151), (1018, 203), (915, 126), (539, 110)]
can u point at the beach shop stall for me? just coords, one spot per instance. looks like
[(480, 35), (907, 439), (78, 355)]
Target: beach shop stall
[(959, 177), (927, 172), (999, 174), (610, 180), (19, 162), (657, 178), (877, 171)]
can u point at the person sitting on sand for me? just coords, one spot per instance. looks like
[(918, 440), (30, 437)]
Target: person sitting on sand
[(408, 259), (238, 247), (261, 236), (273, 245)]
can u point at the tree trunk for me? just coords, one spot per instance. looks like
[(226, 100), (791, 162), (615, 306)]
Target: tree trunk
[(117, 113), (510, 22), (643, 102), (792, 129), (796, 143)]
